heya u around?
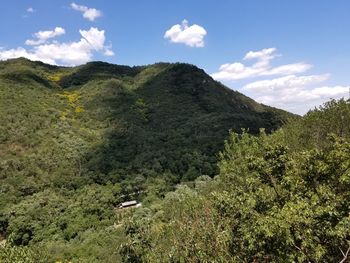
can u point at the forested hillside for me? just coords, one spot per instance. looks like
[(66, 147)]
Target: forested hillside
[(76, 142), (283, 197)]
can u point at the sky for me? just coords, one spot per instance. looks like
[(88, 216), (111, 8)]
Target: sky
[(291, 54)]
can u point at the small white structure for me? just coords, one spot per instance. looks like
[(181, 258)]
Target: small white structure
[(129, 204)]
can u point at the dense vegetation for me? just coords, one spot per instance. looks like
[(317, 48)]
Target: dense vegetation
[(282, 197), (278, 198), (75, 142)]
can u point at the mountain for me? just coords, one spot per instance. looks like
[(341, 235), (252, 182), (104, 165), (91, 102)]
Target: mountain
[(107, 122)]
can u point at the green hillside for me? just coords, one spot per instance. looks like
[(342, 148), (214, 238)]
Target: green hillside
[(75, 142), (108, 122)]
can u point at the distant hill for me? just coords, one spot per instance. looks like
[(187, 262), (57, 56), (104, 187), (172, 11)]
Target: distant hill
[(109, 122)]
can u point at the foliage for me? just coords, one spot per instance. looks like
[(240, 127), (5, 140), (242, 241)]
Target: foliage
[(311, 131), (75, 142), (286, 207), (9, 254), (269, 203)]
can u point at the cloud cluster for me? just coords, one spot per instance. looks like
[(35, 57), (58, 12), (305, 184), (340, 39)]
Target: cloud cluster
[(288, 90), (192, 36), (43, 36), (301, 100), (261, 67), (62, 53), (88, 13), (286, 82)]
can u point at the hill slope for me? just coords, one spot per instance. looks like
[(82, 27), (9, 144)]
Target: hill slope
[(111, 121)]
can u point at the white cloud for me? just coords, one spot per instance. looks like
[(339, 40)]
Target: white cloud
[(286, 82), (88, 13), (66, 53), (20, 52), (295, 93), (288, 69), (300, 101), (108, 51), (335, 91), (30, 10), (43, 36), (263, 56), (262, 67), (192, 36), (287, 89)]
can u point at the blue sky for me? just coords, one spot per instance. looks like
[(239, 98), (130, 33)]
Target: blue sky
[(292, 54)]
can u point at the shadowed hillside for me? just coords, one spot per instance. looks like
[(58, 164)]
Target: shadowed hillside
[(130, 120)]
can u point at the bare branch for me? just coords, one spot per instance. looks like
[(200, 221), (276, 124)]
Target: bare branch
[(345, 255)]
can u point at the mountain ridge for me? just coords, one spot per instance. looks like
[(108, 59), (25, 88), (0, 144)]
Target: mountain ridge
[(115, 70), (177, 105)]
